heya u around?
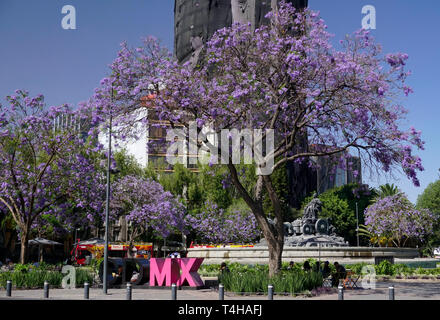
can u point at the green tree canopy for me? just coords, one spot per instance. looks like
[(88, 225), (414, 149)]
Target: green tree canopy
[(339, 205), (430, 198)]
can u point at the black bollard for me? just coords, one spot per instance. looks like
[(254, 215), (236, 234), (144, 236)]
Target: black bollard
[(46, 290), (173, 292), (128, 297), (8, 288), (270, 292), (86, 290), (221, 292), (340, 293), (390, 293)]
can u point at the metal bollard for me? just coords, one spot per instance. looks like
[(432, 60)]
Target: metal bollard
[(86, 290), (221, 292), (128, 297), (173, 292), (270, 292), (390, 293), (46, 290), (8, 288), (340, 293)]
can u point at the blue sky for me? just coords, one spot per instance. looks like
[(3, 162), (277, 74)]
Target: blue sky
[(66, 65)]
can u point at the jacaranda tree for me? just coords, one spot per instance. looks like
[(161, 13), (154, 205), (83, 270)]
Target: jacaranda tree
[(46, 168), (146, 204), (394, 218), (215, 225), (286, 77)]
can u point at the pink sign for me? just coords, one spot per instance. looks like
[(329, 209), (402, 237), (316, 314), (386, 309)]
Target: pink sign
[(181, 271)]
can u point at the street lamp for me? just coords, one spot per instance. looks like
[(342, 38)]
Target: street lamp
[(107, 202), (357, 224)]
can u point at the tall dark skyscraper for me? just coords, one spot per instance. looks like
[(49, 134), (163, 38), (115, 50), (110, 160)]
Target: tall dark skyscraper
[(195, 21)]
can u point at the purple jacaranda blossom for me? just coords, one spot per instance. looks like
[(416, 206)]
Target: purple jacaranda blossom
[(321, 100), (145, 204), (394, 217), (47, 168), (214, 225)]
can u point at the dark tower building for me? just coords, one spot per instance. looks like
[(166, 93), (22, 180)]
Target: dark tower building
[(195, 22)]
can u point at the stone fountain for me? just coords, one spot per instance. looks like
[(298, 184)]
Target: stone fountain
[(310, 230)]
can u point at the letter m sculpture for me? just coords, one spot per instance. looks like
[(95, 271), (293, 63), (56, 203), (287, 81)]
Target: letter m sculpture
[(166, 271)]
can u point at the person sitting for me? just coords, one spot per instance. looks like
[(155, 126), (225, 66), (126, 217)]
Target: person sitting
[(9, 264), (224, 268), (340, 274), (307, 266), (134, 277), (116, 275), (291, 265), (326, 271)]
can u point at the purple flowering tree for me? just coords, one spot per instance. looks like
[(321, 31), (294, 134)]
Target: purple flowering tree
[(395, 218), (146, 204), (214, 225), (44, 169), (286, 77)]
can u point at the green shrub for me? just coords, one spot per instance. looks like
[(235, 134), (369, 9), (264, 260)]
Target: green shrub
[(384, 268), (257, 281), (34, 278), (83, 276), (95, 263)]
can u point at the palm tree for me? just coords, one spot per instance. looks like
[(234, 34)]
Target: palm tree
[(387, 190)]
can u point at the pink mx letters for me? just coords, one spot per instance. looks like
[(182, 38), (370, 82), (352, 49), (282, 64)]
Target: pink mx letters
[(180, 271)]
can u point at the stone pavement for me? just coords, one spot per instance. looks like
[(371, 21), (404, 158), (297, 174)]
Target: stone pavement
[(403, 290), (410, 290)]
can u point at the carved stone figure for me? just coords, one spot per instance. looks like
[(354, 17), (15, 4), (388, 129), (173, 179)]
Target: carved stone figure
[(313, 208), (310, 230)]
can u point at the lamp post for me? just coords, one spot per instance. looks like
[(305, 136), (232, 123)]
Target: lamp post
[(107, 203), (357, 224), (75, 242)]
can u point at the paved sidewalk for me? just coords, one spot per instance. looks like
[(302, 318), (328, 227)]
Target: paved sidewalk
[(413, 290), (403, 291)]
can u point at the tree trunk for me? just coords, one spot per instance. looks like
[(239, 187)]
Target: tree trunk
[(275, 256), (276, 240), (273, 234), (24, 236)]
